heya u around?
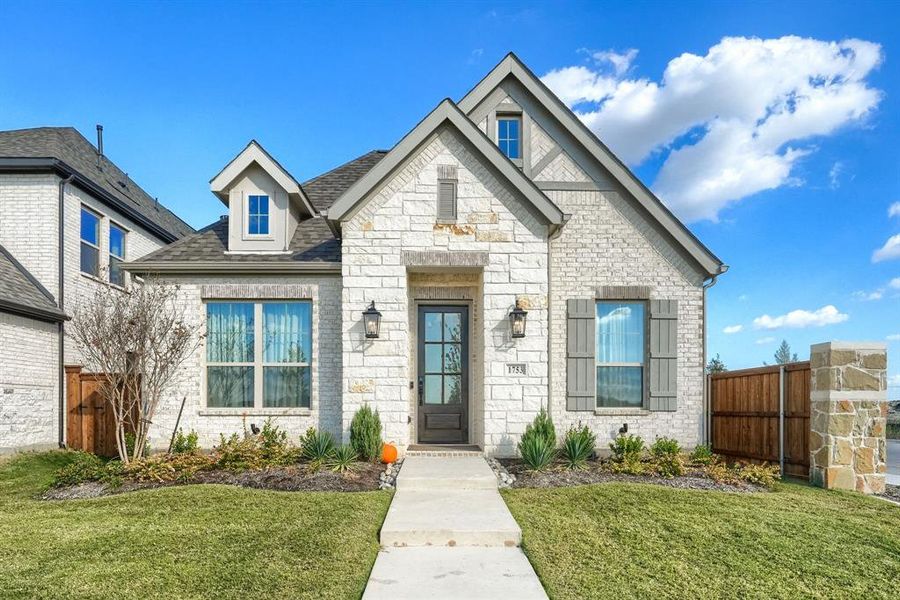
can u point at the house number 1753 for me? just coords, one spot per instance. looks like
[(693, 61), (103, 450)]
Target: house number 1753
[(516, 369)]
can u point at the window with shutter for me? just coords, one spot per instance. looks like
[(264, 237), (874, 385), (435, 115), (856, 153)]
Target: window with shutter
[(581, 372), (663, 355)]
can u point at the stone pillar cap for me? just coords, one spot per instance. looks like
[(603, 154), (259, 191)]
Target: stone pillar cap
[(837, 345)]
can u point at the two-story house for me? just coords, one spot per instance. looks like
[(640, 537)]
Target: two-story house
[(497, 260), (69, 219)]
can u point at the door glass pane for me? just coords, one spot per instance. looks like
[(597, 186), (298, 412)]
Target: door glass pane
[(620, 387), (286, 387), (452, 389), (432, 327), (432, 389), (452, 327), (229, 387), (452, 358), (433, 358)]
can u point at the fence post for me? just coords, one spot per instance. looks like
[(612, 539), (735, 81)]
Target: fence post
[(781, 420)]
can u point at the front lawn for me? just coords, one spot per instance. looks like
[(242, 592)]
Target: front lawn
[(643, 541), (201, 541)]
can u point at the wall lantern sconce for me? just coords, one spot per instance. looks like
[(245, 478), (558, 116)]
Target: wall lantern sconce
[(372, 321), (517, 318)]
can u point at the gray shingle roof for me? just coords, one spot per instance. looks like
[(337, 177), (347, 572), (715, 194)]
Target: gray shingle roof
[(313, 242), (21, 293), (66, 144), (323, 190)]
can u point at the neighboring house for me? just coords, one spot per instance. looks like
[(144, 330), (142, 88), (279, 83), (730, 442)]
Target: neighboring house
[(499, 204), (69, 218)]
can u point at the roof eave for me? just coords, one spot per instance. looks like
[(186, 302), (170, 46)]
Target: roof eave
[(232, 268), (33, 312)]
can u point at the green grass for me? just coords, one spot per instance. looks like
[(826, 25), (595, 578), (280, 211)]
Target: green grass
[(644, 541), (188, 542)]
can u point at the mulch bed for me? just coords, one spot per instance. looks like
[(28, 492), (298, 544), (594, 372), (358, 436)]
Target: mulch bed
[(363, 478), (891, 492), (595, 472)]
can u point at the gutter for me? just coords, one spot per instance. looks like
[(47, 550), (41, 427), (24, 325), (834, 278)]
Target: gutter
[(706, 408), (555, 231), (36, 165), (61, 329), (233, 268)]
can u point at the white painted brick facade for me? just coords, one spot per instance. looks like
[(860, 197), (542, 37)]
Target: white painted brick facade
[(325, 406)]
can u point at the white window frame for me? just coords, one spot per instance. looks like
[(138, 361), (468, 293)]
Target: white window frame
[(269, 202), (258, 362), (500, 116), (97, 246), (646, 354), (111, 257)]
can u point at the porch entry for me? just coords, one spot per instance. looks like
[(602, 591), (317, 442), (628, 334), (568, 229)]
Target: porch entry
[(443, 374)]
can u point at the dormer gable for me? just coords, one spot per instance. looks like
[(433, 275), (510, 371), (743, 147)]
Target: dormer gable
[(265, 203)]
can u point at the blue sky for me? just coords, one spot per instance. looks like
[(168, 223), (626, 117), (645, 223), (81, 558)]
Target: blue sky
[(181, 88)]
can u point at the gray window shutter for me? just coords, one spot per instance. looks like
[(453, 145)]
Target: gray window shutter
[(581, 362), (663, 355), (446, 200)]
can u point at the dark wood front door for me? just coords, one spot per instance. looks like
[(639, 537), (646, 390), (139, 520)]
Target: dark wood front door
[(443, 374)]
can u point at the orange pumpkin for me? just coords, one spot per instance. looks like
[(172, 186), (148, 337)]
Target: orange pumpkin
[(388, 453)]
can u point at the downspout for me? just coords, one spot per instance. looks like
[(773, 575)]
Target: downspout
[(61, 332), (706, 424), (555, 232)]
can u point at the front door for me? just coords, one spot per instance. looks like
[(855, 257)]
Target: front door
[(443, 374)]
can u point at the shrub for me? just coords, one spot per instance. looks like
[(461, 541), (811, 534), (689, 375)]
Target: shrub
[(668, 465), (702, 455), (664, 447), (765, 474), (543, 426), (536, 451), (130, 440), (185, 444), (84, 467), (274, 446), (168, 467), (365, 434), (627, 448), (316, 446), (578, 446), (342, 459), (238, 453)]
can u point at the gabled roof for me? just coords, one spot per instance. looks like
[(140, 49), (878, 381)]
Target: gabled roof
[(254, 153), (313, 248), (445, 113), (324, 189), (66, 151), (511, 66), (22, 294)]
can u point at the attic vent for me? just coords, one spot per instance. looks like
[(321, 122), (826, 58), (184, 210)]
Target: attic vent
[(446, 197)]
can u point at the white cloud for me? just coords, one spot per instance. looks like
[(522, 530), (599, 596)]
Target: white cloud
[(834, 175), (733, 329), (827, 315), (889, 251), (894, 283), (764, 341), (894, 337), (730, 121), (869, 296), (894, 210), (620, 61)]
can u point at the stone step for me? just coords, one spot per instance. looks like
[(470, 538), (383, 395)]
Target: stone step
[(446, 473), (443, 517), (451, 573)]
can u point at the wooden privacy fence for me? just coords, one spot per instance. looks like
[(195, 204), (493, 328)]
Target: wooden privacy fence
[(90, 422), (761, 415)]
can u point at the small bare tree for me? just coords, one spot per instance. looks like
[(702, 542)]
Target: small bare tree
[(138, 339)]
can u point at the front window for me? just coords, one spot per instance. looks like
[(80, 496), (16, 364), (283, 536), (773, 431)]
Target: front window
[(620, 354), (258, 215), (509, 136), (116, 254), (90, 242), (258, 354)]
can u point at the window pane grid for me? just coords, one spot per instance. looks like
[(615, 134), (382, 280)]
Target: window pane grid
[(508, 136), (621, 352), (258, 215), (90, 243)]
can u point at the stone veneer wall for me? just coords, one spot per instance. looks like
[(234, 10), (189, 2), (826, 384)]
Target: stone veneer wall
[(848, 415), (400, 217)]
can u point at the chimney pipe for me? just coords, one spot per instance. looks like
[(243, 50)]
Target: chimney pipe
[(99, 144)]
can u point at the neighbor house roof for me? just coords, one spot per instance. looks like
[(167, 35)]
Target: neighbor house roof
[(313, 248), (65, 151), (446, 113), (511, 66), (21, 293)]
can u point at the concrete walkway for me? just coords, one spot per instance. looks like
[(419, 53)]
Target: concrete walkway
[(448, 534), (893, 462)]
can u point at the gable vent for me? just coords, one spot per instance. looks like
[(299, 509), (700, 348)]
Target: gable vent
[(446, 198)]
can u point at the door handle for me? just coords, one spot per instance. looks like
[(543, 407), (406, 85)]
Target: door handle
[(421, 387)]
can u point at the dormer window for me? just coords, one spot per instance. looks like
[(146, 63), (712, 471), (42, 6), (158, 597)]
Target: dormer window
[(258, 215), (509, 136)]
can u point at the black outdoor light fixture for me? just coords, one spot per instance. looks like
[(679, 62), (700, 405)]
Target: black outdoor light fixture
[(517, 321), (372, 321)]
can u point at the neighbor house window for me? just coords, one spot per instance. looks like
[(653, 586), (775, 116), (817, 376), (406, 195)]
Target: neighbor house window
[(620, 354), (116, 254), (509, 136), (258, 215), (258, 354), (90, 242)]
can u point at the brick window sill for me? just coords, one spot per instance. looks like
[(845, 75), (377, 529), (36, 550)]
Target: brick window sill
[(254, 412), (622, 412)]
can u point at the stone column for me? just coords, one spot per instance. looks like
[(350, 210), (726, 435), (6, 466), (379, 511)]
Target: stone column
[(848, 414)]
